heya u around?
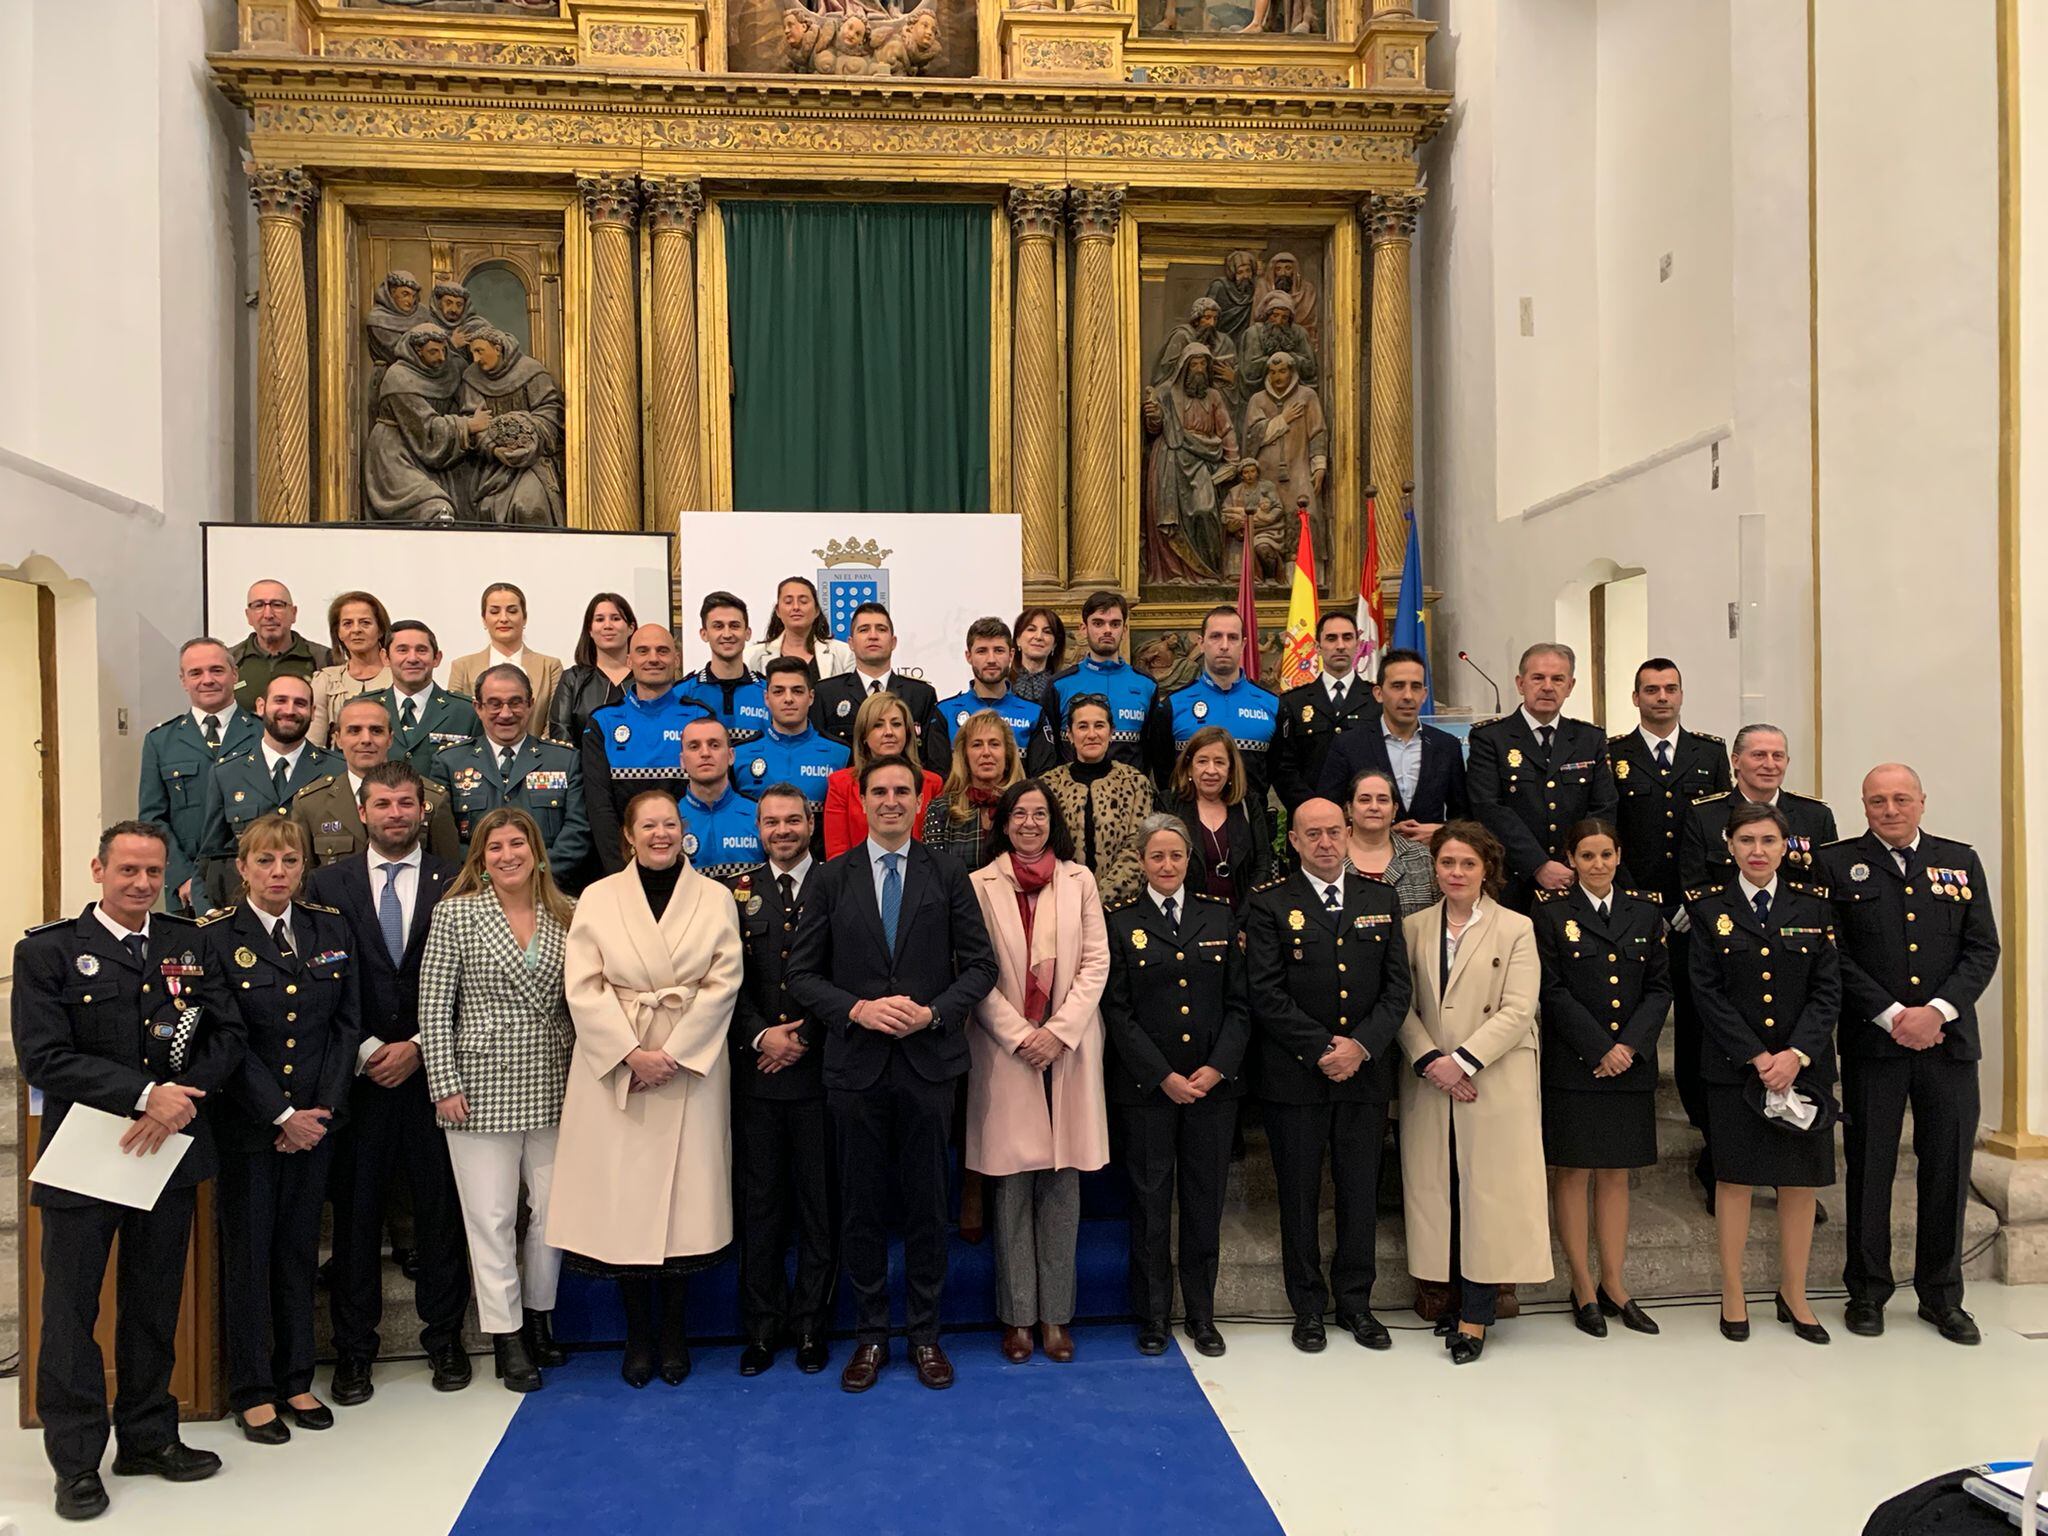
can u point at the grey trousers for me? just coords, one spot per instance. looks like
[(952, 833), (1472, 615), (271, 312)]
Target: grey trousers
[(1037, 1222)]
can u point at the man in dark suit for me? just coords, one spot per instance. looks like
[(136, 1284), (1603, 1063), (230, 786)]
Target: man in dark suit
[(425, 717), (1760, 757), (872, 637), (1428, 764), (1919, 944), (782, 1139), (1312, 715), (116, 1010), (890, 958), (1535, 774), (388, 894), (179, 756), (1329, 988)]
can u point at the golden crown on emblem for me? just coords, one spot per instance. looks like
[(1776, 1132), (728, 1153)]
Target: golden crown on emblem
[(852, 552)]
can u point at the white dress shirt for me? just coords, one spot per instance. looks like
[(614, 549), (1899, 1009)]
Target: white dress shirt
[(868, 684), (408, 894), (225, 715), (1468, 1065), (1178, 895), (1323, 888), (1350, 680), (272, 757), (1536, 725), (1653, 741)]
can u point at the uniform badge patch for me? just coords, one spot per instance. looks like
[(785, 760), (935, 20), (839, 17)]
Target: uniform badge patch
[(467, 779), (1296, 921), (1571, 930), (1724, 925), (1859, 872), (241, 795), (330, 826), (88, 965), (1514, 757), (1621, 769), (622, 734), (690, 844), (1308, 713), (845, 708), (1138, 939), (753, 906), (245, 957), (758, 767), (1201, 710)]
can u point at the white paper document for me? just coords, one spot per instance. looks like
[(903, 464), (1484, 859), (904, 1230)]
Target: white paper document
[(85, 1157)]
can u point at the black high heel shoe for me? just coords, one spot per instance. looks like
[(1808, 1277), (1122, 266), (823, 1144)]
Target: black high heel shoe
[(1587, 1319), (514, 1365), (540, 1339), (636, 1368), (1633, 1317), (671, 1295), (1465, 1348), (1735, 1330), (1812, 1333)]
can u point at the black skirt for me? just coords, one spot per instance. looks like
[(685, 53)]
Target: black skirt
[(1598, 1128), (1750, 1150)]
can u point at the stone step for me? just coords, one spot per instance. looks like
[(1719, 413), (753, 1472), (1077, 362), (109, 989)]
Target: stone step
[(399, 1331)]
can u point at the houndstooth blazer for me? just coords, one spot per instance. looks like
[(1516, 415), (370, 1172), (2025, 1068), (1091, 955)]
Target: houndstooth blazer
[(493, 1027)]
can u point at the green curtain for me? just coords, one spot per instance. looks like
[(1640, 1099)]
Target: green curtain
[(859, 356)]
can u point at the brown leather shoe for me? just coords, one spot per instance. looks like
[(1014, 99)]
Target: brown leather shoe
[(1059, 1344), (1505, 1304), (1016, 1345), (934, 1370), (864, 1367)]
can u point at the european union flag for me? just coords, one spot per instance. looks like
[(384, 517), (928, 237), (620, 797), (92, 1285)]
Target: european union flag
[(1411, 621)]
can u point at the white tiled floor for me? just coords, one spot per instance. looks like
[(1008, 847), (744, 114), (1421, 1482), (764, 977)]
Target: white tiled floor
[(1555, 1432)]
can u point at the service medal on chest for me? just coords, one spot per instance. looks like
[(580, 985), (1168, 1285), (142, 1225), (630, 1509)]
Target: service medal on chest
[(88, 965)]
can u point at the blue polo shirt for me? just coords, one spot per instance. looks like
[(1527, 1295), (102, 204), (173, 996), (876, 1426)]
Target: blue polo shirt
[(1248, 712), (643, 738), (739, 703), (806, 760), (720, 838), (1026, 719), (1130, 694)]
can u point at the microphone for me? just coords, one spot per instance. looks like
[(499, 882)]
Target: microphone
[(1466, 657)]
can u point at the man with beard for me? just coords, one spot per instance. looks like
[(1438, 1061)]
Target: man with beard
[(1284, 275), (1285, 430), (1276, 330), (1201, 326), (258, 783), (413, 461), (520, 481), (1233, 293), (451, 306), (394, 311), (1104, 671), (1195, 438)]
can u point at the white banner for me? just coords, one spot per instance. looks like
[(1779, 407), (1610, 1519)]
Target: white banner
[(937, 572)]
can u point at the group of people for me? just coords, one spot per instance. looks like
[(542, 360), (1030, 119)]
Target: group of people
[(763, 934)]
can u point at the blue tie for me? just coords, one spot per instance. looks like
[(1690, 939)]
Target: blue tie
[(1762, 902), (892, 897), (390, 916)]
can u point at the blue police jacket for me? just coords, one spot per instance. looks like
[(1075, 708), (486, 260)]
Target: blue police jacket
[(1248, 712), (1130, 694), (805, 760), (643, 738), (720, 838), (739, 703), (1027, 719)]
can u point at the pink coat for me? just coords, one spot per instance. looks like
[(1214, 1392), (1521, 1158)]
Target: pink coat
[(1009, 1129)]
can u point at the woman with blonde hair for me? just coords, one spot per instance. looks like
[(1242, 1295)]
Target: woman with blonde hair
[(882, 727), (360, 629), (495, 1039), (643, 1176), (985, 763)]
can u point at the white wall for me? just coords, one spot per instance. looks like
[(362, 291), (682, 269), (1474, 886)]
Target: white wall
[(2033, 570)]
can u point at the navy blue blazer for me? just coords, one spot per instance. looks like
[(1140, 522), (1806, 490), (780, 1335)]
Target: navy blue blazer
[(1439, 787)]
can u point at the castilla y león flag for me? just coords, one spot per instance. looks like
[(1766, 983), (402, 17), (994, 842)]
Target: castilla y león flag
[(1299, 662)]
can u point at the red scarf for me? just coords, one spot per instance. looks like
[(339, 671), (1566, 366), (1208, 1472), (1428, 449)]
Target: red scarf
[(1030, 877)]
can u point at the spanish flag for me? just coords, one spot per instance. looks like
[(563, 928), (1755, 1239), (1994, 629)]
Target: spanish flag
[(1299, 661)]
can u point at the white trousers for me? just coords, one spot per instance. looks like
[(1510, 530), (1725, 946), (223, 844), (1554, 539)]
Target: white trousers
[(489, 1166)]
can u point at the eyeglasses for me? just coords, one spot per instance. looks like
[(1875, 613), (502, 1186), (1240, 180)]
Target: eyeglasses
[(256, 603), (1081, 700)]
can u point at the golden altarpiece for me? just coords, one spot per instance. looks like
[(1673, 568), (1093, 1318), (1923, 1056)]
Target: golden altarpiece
[(1155, 172)]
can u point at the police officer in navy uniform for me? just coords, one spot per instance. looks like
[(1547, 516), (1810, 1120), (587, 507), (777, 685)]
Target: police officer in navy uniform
[(179, 757), (508, 765), (425, 717), (1220, 695), (1177, 1017), (719, 834), (782, 1136), (725, 685), (1103, 670), (290, 966), (1760, 758), (792, 750), (871, 635), (1533, 775), (104, 1015), (1329, 987), (261, 782), (990, 650), (1919, 945), (1660, 769), (1313, 715), (635, 744)]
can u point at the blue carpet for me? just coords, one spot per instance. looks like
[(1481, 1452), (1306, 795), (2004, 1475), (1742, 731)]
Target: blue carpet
[(1112, 1443)]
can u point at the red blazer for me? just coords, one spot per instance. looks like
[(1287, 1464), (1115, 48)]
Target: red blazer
[(846, 820)]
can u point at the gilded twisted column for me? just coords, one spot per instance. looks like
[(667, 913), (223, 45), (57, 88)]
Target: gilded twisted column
[(672, 204), (1035, 381), (1095, 419), (284, 462), (1390, 428), (611, 433)]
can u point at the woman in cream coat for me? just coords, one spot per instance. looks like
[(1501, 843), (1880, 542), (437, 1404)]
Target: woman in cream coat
[(1037, 1116), (643, 1168), (1472, 1108)]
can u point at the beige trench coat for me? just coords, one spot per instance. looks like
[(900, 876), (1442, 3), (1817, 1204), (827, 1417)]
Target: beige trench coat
[(643, 1177), (1490, 1010), (1009, 1129)]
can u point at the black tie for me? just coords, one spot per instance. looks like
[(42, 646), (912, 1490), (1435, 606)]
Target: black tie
[(505, 763), (1337, 695), (283, 936), (874, 687), (408, 714), (280, 773), (1601, 908), (1171, 907), (1762, 902), (1664, 755), (134, 941), (1330, 901), (213, 731), (788, 890), (1543, 735), (1905, 858)]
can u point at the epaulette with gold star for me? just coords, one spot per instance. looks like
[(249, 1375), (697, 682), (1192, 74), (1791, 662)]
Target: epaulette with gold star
[(1276, 880), (1705, 891), (1543, 895), (1118, 906), (1653, 897), (1809, 887), (1706, 736)]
